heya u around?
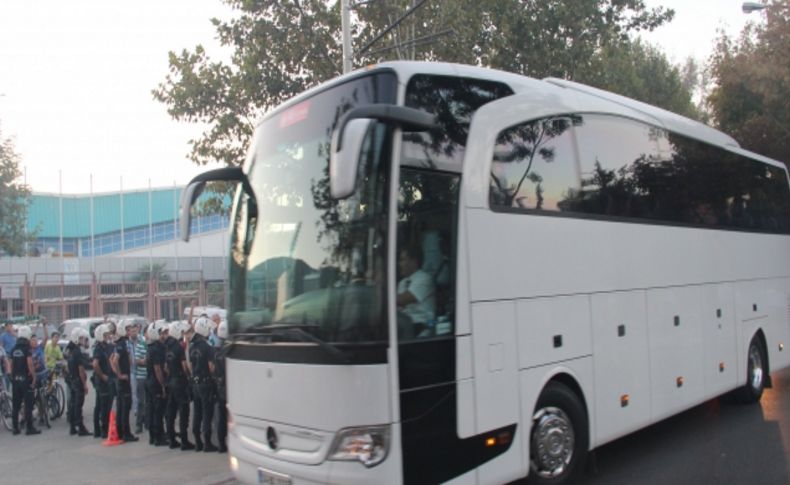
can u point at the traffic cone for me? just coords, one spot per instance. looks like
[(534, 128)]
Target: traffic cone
[(112, 435)]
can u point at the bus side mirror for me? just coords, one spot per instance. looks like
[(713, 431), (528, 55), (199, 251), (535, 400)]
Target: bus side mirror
[(344, 158), (349, 135), (195, 188), (188, 197)]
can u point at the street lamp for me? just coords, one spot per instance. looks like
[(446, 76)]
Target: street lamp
[(749, 7)]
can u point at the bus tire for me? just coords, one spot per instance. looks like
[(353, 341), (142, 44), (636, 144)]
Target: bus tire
[(559, 437), (756, 373)]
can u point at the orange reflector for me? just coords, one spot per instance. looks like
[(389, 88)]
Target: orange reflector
[(504, 438), (680, 381), (721, 366), (624, 399), (490, 441)]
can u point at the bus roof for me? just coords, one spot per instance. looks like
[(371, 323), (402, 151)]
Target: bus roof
[(581, 97)]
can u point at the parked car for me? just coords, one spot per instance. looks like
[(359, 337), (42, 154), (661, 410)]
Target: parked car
[(88, 324)]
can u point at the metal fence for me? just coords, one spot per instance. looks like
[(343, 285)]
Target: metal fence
[(60, 296)]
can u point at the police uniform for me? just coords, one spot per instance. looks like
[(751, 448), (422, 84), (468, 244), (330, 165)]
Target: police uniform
[(124, 388), (222, 410), (200, 354), (177, 397), (22, 385), (75, 360), (104, 391), (155, 394)]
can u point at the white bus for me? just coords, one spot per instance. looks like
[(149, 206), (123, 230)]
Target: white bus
[(448, 274)]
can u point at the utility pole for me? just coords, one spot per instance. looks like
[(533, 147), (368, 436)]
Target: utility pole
[(345, 15)]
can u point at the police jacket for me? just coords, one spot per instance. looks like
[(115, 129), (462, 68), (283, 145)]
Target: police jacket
[(200, 354), (19, 355), (174, 356)]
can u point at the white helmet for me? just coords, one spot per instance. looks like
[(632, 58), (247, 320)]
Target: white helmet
[(177, 329), (24, 332), (101, 331), (203, 326), (222, 330), (76, 335), (161, 327), (120, 328)]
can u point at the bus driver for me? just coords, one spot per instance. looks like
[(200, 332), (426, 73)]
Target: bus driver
[(416, 293)]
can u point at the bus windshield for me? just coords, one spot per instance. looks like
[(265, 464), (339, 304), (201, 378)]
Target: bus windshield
[(308, 270)]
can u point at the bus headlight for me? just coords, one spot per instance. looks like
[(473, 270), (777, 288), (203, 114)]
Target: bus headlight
[(367, 445)]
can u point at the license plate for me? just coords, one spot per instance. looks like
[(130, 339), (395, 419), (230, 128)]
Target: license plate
[(268, 477)]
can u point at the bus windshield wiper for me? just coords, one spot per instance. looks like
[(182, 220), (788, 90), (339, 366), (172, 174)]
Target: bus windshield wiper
[(265, 332)]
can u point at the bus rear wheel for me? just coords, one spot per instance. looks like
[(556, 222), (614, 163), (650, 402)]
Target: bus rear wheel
[(559, 437), (756, 370)]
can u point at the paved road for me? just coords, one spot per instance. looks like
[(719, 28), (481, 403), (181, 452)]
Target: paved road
[(56, 457), (716, 442), (713, 443)]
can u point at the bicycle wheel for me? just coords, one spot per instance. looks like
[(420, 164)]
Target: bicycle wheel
[(53, 407), (6, 411), (41, 404), (58, 395)]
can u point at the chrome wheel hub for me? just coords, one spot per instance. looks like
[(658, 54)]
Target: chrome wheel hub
[(756, 363), (553, 441)]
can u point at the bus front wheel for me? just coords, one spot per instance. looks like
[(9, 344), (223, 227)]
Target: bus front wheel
[(559, 437), (756, 370)]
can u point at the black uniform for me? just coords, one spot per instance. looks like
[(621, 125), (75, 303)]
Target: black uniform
[(177, 397), (104, 392), (155, 394), (200, 354), (76, 361), (222, 410), (124, 387), (22, 384)]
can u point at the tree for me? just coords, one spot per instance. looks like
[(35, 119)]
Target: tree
[(281, 48), (751, 96), (14, 199)]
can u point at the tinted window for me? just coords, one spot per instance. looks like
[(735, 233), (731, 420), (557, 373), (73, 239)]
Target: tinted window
[(453, 100), (534, 165), (628, 169)]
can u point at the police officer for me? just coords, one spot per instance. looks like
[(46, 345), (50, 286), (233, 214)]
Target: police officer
[(155, 383), (121, 362), (201, 358), (219, 378), (77, 380), (103, 374), (177, 397), (23, 379)]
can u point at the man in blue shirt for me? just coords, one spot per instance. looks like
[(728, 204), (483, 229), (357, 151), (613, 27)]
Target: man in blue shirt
[(8, 339)]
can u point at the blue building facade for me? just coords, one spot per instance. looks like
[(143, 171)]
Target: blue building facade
[(110, 223)]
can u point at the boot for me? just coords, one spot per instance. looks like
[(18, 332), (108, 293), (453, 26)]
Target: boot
[(198, 445), (31, 431), (16, 431), (130, 438), (186, 445), (83, 431), (72, 430), (209, 448)]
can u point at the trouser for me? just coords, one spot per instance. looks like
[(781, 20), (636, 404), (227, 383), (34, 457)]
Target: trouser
[(203, 395), (76, 401), (177, 402), (104, 398), (155, 405), (222, 422), (124, 407), (139, 409), (22, 391)]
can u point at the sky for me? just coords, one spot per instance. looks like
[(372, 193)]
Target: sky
[(76, 79)]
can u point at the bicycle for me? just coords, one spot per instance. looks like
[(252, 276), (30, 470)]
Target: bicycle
[(6, 406), (55, 393)]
